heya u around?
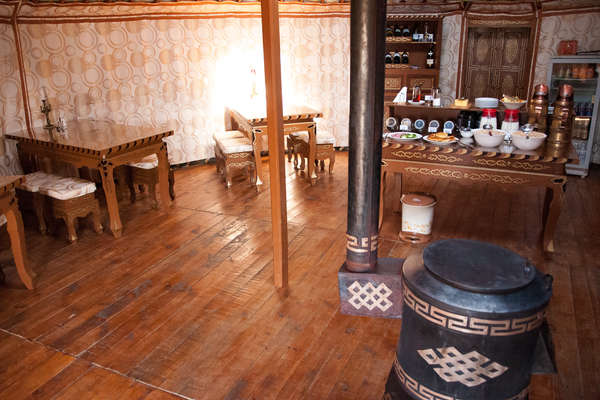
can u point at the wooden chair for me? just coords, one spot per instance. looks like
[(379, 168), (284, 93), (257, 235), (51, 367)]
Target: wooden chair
[(72, 198), (145, 172), (298, 144), (234, 153)]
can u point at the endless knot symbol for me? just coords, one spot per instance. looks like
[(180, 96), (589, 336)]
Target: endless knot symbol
[(370, 296), (464, 368)]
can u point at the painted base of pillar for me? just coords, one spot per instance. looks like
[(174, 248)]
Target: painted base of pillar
[(372, 294)]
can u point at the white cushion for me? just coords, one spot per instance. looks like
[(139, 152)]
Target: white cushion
[(322, 137), (235, 145), (2, 219), (34, 180), (227, 135), (148, 162), (67, 188)]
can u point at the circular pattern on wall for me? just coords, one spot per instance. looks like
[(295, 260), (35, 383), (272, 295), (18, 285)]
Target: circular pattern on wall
[(151, 69), (176, 33), (147, 35), (117, 38), (53, 42), (92, 75), (87, 40), (60, 80), (9, 89), (122, 72)]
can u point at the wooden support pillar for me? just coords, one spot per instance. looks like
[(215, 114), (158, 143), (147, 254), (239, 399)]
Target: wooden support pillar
[(270, 30)]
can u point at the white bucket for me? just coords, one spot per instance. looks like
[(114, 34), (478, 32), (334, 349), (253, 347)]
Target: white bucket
[(417, 216)]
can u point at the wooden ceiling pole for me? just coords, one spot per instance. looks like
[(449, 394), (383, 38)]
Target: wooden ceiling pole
[(270, 30)]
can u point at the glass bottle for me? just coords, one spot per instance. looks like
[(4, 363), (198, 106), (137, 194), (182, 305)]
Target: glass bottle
[(415, 35), (397, 31), (389, 30), (430, 58), (404, 57), (388, 58), (406, 31), (397, 58)]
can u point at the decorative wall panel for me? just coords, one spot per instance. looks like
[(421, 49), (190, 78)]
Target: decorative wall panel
[(450, 56), (185, 70), (12, 117)]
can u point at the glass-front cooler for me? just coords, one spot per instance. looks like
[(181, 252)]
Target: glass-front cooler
[(581, 72)]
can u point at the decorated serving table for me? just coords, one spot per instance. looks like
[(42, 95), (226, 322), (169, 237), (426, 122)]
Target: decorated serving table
[(103, 145), (544, 167), (295, 119), (14, 223)]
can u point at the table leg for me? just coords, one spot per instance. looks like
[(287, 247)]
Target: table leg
[(312, 153), (257, 145), (17, 243), (397, 193), (552, 206), (108, 184), (163, 177)]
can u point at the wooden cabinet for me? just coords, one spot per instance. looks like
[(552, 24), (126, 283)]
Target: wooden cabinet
[(496, 62), (415, 72)]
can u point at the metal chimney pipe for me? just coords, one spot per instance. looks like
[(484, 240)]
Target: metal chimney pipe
[(367, 47)]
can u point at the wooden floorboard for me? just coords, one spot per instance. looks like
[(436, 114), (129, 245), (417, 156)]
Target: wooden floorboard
[(183, 305)]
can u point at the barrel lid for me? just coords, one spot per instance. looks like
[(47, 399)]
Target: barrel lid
[(477, 266), (418, 199)]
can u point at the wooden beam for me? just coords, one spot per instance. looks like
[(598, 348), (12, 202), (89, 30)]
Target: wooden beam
[(270, 30)]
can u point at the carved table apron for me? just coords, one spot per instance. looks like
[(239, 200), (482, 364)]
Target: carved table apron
[(541, 168), (14, 224), (295, 119), (103, 145)]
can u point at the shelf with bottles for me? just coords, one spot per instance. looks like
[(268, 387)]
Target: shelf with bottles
[(393, 41)]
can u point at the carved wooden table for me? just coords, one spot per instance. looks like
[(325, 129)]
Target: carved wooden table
[(295, 119), (544, 167), (103, 145), (14, 223)]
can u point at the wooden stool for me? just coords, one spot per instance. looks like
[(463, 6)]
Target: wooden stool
[(72, 198), (30, 197), (145, 172), (234, 153), (325, 149)]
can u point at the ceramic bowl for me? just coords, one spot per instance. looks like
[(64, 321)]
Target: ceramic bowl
[(483, 137), (535, 140), (513, 105), (486, 102)]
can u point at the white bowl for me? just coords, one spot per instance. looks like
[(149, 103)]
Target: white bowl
[(483, 137), (513, 105), (535, 140), (486, 102)]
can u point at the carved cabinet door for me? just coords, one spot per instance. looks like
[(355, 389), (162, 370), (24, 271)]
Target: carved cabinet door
[(497, 62)]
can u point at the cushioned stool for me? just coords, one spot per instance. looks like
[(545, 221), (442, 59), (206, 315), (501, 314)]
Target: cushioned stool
[(325, 150), (145, 172), (30, 197), (72, 198), (234, 153)]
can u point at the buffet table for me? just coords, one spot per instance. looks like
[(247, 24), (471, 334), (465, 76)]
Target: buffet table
[(103, 145), (544, 167), (14, 223)]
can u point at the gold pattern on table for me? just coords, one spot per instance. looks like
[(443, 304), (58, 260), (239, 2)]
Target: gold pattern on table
[(370, 296), (423, 392), (424, 156), (481, 177), (361, 245), (470, 369), (507, 163), (472, 325)]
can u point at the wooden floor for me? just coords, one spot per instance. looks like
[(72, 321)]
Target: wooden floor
[(183, 305)]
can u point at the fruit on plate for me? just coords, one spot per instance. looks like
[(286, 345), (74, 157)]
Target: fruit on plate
[(409, 136)]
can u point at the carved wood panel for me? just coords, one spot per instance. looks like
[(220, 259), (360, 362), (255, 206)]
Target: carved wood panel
[(496, 62)]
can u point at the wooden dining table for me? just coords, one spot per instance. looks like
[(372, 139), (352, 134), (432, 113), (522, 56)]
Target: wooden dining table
[(14, 223), (544, 167), (253, 122), (102, 145)]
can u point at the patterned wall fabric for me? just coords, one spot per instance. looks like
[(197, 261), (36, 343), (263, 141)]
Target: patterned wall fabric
[(12, 117), (187, 71), (450, 55)]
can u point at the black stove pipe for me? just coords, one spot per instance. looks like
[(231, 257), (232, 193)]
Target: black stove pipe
[(367, 48)]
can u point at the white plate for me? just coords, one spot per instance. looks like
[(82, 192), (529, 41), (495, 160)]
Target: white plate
[(426, 138), (398, 136), (416, 102)]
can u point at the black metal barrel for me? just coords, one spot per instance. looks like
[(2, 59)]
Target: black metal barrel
[(471, 319)]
